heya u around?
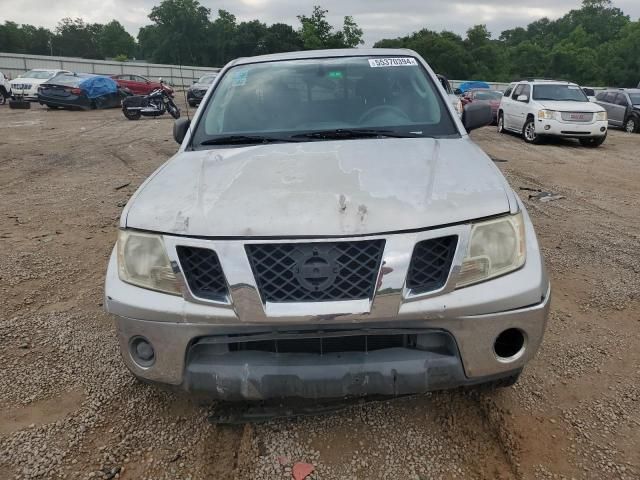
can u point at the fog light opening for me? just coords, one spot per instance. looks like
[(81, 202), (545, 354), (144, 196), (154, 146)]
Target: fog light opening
[(509, 345), (142, 351), (547, 127)]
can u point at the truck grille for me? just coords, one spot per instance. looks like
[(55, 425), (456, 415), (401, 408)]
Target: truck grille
[(326, 345), (430, 264), (578, 117), (316, 272), (203, 273)]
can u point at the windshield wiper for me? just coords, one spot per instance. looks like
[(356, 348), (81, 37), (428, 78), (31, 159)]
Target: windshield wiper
[(245, 140), (340, 133)]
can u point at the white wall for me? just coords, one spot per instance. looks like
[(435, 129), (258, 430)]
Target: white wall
[(13, 64)]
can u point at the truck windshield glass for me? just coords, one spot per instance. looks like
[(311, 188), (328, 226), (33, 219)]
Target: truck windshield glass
[(571, 93), (635, 98), (308, 100)]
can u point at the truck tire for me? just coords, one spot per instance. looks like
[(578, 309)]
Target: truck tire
[(529, 132), (501, 123), (631, 125)]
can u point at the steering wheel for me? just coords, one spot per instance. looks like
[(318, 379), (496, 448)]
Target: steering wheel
[(372, 112)]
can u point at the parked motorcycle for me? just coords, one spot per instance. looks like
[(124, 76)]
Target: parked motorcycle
[(152, 105)]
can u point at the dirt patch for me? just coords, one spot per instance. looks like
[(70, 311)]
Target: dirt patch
[(65, 177), (39, 413)]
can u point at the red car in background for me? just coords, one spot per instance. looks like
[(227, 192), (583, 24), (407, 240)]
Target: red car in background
[(491, 97), (139, 85)]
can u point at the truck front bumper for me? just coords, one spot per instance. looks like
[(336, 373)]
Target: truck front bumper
[(571, 129), (452, 352)]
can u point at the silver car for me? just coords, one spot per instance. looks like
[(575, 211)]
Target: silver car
[(623, 108), (327, 229)]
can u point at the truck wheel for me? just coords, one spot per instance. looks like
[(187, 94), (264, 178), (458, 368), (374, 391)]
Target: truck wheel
[(593, 142), (501, 123), (529, 132), (631, 125)]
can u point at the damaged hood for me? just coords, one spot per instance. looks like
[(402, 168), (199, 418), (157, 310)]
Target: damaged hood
[(325, 188)]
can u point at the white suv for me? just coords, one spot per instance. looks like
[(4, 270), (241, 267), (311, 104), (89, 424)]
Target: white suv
[(26, 85), (539, 108)]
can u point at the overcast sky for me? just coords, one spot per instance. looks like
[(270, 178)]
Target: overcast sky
[(378, 18)]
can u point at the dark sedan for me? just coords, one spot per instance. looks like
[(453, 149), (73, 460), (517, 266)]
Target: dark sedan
[(199, 88), (491, 97), (80, 91)]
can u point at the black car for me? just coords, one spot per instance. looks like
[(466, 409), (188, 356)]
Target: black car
[(199, 88), (82, 91)]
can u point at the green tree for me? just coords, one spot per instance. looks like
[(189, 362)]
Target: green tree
[(114, 40), (351, 33), (317, 33), (315, 30), (181, 31), (16, 38), (281, 37), (220, 35), (75, 38)]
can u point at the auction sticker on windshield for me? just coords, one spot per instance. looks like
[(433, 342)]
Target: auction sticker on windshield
[(393, 62)]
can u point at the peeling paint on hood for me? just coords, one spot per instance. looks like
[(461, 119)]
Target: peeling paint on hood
[(336, 188)]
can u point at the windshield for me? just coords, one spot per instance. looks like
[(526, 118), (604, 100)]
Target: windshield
[(39, 74), (207, 79), (570, 93), (68, 79), (301, 98), (488, 95), (635, 98)]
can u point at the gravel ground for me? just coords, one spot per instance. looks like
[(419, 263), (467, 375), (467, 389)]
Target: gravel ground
[(70, 409)]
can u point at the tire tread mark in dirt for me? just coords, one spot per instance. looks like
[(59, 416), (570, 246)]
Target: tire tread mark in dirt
[(494, 417), (221, 451)]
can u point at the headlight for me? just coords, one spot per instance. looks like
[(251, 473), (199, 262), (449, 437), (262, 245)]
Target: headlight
[(143, 261), (546, 114), (601, 117), (495, 247)]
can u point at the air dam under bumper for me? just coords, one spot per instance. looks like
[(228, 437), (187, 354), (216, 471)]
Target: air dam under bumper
[(196, 358)]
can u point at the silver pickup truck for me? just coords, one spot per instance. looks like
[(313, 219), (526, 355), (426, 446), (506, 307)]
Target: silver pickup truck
[(327, 229)]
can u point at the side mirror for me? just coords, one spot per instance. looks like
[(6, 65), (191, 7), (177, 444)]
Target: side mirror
[(457, 91), (195, 81), (476, 115), (180, 129), (523, 98)]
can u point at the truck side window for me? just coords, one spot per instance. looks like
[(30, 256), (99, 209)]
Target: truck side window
[(517, 91), (621, 99)]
